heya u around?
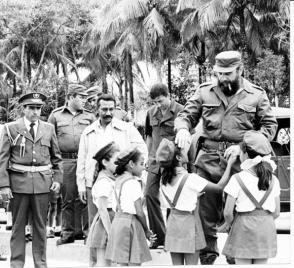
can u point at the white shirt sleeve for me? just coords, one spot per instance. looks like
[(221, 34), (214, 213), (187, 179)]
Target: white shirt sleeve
[(233, 187), (277, 187), (103, 188), (196, 182)]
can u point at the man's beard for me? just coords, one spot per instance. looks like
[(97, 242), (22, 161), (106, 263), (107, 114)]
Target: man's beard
[(229, 88)]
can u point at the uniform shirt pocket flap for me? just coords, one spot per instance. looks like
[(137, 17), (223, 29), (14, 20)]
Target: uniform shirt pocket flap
[(247, 108), (45, 142), (154, 122), (62, 124), (211, 105), (84, 122)]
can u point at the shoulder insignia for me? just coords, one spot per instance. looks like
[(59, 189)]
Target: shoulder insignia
[(88, 111), (209, 84), (257, 87)]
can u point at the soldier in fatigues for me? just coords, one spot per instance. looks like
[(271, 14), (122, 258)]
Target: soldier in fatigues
[(69, 122), (228, 106), (30, 166)]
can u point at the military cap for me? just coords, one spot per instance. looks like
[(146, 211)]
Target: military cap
[(77, 89), (125, 156), (165, 152), (257, 142), (32, 98), (227, 61), (93, 92), (104, 151)]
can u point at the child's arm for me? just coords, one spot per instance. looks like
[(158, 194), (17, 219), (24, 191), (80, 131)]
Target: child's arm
[(228, 214), (102, 208), (224, 179), (276, 214), (141, 217)]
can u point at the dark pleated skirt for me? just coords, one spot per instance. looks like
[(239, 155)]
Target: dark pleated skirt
[(97, 237), (252, 236), (184, 233), (127, 241)]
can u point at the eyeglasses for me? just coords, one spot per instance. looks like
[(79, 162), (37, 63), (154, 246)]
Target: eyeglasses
[(105, 110)]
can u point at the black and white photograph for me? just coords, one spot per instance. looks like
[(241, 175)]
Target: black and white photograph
[(146, 133)]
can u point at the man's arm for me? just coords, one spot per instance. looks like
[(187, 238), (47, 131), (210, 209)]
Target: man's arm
[(148, 132), (267, 121)]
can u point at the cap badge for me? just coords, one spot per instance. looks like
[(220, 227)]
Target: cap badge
[(36, 95)]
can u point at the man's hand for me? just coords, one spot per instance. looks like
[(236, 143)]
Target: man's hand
[(6, 193), (183, 138), (83, 196), (233, 150), (55, 187)]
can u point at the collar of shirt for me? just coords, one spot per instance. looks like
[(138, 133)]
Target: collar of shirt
[(66, 109), (27, 125), (172, 108), (106, 174), (180, 170)]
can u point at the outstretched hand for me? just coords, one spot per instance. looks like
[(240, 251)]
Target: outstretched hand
[(183, 138), (224, 228)]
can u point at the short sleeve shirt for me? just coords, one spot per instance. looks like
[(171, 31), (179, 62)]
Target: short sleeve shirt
[(103, 188), (243, 203), (131, 192), (188, 198)]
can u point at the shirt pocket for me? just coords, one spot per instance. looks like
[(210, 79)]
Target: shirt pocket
[(211, 115), (82, 124), (167, 128), (245, 113), (63, 128), (45, 147)]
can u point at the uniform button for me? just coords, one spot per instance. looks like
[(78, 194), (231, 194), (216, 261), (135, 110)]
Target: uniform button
[(34, 152), (34, 160)]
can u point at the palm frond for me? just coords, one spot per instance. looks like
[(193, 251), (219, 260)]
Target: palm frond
[(154, 24), (190, 27)]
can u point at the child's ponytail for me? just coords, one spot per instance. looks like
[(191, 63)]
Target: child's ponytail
[(264, 172)]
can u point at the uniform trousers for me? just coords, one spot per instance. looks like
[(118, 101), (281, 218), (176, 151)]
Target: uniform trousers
[(74, 212), (155, 217), (211, 166), (21, 206)]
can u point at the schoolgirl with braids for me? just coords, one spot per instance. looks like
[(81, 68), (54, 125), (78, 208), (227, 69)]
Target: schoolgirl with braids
[(127, 241), (254, 194), (102, 193), (184, 234)]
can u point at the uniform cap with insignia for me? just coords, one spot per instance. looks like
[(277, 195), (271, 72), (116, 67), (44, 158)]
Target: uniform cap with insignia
[(227, 61), (77, 89), (33, 98)]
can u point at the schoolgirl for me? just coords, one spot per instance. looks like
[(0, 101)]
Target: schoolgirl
[(102, 192), (254, 192), (127, 242), (184, 234)]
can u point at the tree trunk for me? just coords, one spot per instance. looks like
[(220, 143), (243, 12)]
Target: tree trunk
[(130, 81), (244, 45), (29, 66), (158, 72), (104, 83), (126, 85), (169, 82), (14, 86)]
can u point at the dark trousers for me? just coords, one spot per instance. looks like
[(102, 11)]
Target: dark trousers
[(92, 211), (155, 216), (21, 206), (74, 212), (211, 166)]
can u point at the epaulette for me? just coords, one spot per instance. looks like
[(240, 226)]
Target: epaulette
[(209, 84), (58, 109), (86, 110), (257, 87)]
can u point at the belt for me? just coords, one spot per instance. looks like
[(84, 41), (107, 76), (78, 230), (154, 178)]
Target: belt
[(69, 155), (30, 168), (216, 145)]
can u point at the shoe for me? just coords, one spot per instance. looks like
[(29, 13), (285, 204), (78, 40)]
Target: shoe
[(156, 246), (230, 260), (50, 232), (2, 258), (57, 230), (61, 241), (80, 236), (208, 259), (28, 237)]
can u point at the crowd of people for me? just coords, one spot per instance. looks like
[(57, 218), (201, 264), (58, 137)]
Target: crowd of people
[(90, 162)]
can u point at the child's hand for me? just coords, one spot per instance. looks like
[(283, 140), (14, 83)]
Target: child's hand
[(232, 159), (224, 228)]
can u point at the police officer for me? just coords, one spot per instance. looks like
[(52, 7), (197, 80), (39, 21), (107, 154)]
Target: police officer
[(92, 97), (30, 166), (69, 122), (159, 124), (229, 105)]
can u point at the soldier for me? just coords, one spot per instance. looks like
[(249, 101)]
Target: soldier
[(30, 166), (69, 122), (229, 106), (92, 97), (159, 124)]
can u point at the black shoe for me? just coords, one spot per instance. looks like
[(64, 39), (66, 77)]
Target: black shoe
[(208, 259), (155, 246), (62, 241), (80, 237), (230, 260), (2, 258)]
